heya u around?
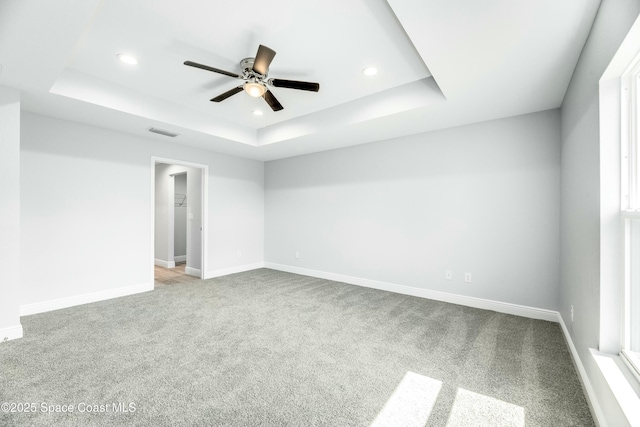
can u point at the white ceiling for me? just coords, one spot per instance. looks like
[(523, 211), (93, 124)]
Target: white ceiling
[(441, 63)]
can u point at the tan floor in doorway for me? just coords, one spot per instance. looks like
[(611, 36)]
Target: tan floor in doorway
[(172, 276)]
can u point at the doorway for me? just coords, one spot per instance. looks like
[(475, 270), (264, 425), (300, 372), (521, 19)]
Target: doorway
[(179, 220)]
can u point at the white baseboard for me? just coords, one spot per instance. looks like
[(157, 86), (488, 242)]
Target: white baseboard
[(500, 307), (163, 263), (592, 399), (11, 333), (44, 306), (180, 258), (193, 271), (234, 270)]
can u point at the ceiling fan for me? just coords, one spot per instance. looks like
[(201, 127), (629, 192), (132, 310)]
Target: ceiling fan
[(256, 82)]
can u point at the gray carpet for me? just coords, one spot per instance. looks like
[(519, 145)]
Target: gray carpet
[(266, 348)]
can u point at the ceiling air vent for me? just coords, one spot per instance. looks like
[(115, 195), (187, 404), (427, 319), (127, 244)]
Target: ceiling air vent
[(163, 132)]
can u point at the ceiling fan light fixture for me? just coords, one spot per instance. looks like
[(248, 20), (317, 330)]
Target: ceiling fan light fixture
[(255, 89)]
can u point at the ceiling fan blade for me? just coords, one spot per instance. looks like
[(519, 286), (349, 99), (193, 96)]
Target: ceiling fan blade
[(215, 70), (294, 84), (272, 101), (227, 94), (263, 60)]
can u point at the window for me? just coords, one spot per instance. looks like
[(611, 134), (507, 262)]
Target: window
[(630, 215), (619, 158)]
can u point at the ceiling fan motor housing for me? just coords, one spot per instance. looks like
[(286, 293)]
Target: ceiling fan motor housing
[(246, 65)]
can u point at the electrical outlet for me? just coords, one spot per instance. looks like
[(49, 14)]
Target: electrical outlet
[(467, 277), (297, 255), (239, 254), (448, 274), (571, 313)]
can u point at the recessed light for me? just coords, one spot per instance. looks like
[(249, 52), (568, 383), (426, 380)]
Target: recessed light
[(127, 59), (257, 112), (370, 71)]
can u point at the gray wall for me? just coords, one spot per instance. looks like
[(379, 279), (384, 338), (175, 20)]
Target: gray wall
[(482, 198), (580, 190), (10, 327), (162, 240), (87, 215)]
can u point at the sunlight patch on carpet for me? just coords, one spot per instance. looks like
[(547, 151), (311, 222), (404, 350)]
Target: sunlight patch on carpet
[(476, 409), (411, 402)]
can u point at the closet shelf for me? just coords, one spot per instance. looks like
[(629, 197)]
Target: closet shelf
[(180, 200)]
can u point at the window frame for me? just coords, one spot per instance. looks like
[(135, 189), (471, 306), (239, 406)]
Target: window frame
[(630, 199)]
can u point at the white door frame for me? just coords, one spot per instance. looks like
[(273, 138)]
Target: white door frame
[(204, 209)]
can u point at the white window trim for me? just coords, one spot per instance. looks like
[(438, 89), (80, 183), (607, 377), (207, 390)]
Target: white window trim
[(630, 197), (616, 201), (632, 362)]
